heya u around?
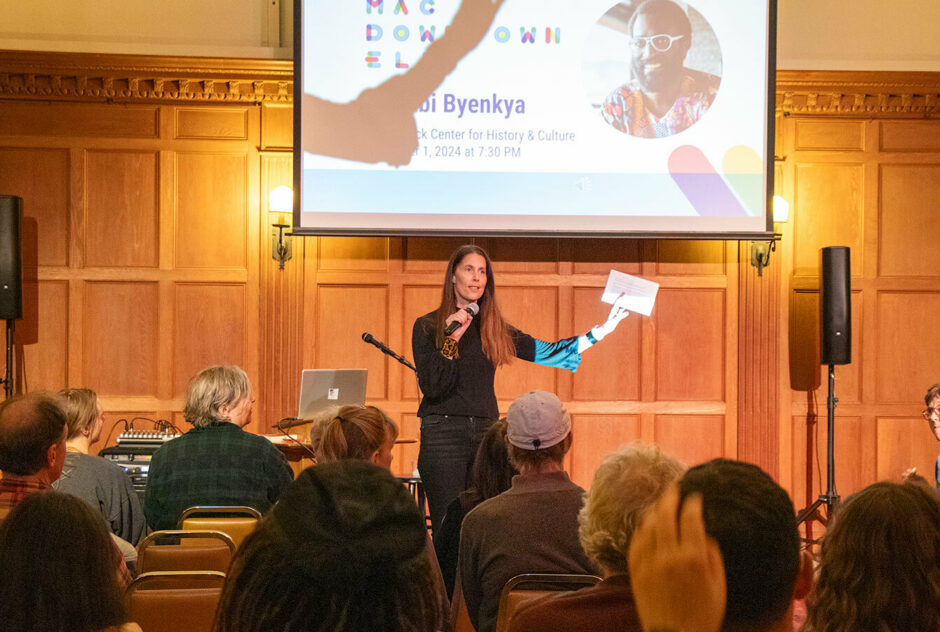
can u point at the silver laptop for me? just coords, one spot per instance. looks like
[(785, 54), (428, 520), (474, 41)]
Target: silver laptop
[(324, 389)]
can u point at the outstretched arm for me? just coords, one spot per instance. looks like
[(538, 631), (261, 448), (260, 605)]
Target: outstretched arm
[(618, 312)]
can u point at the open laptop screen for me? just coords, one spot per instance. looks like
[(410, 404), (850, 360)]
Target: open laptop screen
[(323, 389)]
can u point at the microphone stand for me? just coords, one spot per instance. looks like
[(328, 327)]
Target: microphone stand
[(378, 344)]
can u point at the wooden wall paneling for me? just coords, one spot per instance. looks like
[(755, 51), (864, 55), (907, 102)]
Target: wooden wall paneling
[(75, 120), (211, 210), (212, 123), (684, 257), (691, 439), (510, 255), (826, 134), (277, 126), (855, 456), (756, 371), (77, 201), (211, 323), (600, 256), (593, 438), (119, 338), (533, 310), (416, 302), (166, 163), (690, 344), (830, 201), (901, 445), (281, 305), (429, 254), (907, 359), (909, 136), (44, 356), (121, 214), (406, 454), (908, 220), (41, 177), (253, 235), (610, 370), (343, 313), (354, 254)]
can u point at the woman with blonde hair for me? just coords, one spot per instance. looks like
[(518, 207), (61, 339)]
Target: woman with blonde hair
[(101, 483), (364, 433)]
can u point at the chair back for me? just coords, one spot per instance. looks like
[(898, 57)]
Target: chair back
[(181, 550), (174, 601), (528, 587), (235, 521), (459, 615)]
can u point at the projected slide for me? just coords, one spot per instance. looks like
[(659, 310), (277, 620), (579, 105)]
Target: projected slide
[(533, 116)]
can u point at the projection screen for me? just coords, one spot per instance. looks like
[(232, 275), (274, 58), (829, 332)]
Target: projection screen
[(534, 117)]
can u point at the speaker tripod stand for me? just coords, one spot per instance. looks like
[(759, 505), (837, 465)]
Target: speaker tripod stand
[(8, 378), (830, 499)]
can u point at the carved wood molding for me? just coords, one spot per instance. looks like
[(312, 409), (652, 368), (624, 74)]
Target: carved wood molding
[(146, 78), (858, 93), (143, 78)]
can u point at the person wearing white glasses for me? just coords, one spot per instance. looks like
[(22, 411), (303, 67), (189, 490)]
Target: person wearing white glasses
[(662, 97)]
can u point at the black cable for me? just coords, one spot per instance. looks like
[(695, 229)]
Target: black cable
[(290, 437), (113, 426)]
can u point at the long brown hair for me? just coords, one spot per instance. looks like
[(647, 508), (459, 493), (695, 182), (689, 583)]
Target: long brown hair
[(58, 566), (880, 563), (494, 332)]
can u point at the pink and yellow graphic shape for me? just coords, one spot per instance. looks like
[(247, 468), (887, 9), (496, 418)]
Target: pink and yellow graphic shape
[(712, 193)]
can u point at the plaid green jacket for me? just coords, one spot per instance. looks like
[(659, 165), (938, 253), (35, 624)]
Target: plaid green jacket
[(219, 464)]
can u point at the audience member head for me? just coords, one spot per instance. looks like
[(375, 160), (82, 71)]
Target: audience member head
[(343, 549), (364, 433), (538, 430), (32, 436), (217, 394), (880, 563), (58, 568), (492, 472), (932, 412), (83, 413), (626, 484), (753, 521)]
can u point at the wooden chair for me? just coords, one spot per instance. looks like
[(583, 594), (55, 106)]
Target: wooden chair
[(174, 601), (235, 521), (185, 551), (527, 587), (459, 615)]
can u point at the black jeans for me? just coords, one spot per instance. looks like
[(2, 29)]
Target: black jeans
[(448, 446)]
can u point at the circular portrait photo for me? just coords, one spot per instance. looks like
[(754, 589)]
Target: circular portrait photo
[(652, 67)]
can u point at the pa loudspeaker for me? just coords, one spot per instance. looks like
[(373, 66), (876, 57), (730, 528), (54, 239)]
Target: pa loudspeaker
[(11, 267), (835, 302)]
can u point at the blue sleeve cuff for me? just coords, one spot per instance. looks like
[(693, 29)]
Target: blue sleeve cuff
[(560, 355)]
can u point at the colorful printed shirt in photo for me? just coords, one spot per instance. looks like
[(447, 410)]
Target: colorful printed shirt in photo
[(625, 108)]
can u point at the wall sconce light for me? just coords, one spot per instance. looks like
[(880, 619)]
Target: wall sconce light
[(281, 200), (760, 250)]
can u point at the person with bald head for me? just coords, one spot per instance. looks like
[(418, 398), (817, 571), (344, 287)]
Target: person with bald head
[(663, 97), (32, 447)]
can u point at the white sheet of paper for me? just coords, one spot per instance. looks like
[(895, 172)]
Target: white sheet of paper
[(640, 294)]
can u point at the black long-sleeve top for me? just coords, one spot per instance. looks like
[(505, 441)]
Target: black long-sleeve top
[(462, 385)]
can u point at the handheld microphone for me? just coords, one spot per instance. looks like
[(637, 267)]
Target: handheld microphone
[(473, 309)]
